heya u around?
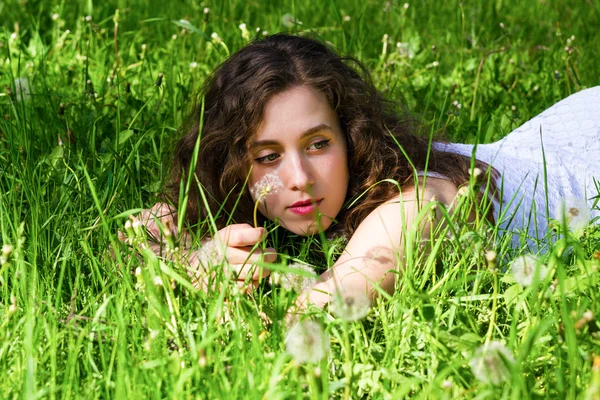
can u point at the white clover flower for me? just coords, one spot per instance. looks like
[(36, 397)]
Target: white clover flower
[(22, 89), (573, 211), (491, 363), (293, 281), (269, 184), (351, 306), (288, 20), (524, 269), (306, 342)]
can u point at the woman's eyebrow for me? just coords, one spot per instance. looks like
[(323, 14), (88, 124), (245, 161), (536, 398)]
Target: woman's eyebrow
[(308, 132)]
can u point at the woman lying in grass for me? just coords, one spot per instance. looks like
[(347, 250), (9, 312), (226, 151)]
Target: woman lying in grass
[(295, 133)]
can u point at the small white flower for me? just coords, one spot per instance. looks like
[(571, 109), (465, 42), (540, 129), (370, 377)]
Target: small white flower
[(13, 36), (491, 363), (174, 37), (573, 211), (288, 20), (346, 18), (55, 16), (269, 184), (294, 281), (351, 306), (245, 32), (475, 172), (405, 6), (157, 281), (306, 342), (216, 38), (193, 65), (88, 18), (206, 10), (435, 63), (491, 256), (7, 249), (524, 269), (501, 25)]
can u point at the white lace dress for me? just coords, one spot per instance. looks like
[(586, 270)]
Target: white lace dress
[(565, 139)]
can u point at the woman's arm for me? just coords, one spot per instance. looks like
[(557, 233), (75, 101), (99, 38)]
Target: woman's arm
[(371, 258)]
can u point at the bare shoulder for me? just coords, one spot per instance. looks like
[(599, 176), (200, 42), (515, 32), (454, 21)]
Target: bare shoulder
[(431, 189), (388, 224)]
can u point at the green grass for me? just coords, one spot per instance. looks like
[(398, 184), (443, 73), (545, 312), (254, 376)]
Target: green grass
[(76, 322)]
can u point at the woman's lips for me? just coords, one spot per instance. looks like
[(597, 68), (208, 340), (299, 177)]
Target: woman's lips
[(304, 207)]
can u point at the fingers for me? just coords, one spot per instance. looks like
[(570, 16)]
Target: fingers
[(241, 235), (245, 272)]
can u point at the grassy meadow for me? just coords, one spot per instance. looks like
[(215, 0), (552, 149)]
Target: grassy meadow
[(91, 98)]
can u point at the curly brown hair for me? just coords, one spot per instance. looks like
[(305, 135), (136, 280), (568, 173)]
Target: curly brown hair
[(381, 136)]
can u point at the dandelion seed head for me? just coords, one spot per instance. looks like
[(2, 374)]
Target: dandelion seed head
[(489, 363), (573, 211), (524, 269), (293, 281), (306, 342), (266, 186), (210, 254), (288, 20), (351, 306)]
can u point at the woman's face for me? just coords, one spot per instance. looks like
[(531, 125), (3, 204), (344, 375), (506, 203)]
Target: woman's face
[(299, 161)]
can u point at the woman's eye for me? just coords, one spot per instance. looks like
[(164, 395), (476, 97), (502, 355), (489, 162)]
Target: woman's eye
[(268, 158), (320, 145)]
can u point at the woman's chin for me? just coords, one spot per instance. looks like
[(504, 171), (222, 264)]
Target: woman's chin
[(307, 229)]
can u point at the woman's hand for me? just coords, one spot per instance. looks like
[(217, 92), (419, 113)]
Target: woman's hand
[(236, 244)]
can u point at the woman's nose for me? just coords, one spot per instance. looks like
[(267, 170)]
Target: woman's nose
[(298, 173)]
